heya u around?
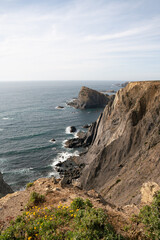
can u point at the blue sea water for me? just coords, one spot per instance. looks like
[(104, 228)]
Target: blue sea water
[(29, 120)]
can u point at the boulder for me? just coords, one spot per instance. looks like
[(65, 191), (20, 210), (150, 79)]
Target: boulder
[(86, 126), (73, 129), (53, 140), (147, 192)]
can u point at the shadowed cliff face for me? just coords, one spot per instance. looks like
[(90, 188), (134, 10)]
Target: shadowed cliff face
[(89, 98), (4, 187), (125, 152)]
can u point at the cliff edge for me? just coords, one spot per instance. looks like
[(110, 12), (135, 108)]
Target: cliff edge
[(125, 151)]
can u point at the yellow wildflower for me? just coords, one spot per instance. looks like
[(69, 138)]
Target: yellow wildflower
[(35, 228)]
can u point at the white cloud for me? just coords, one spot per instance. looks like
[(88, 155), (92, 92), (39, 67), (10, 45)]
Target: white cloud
[(78, 40)]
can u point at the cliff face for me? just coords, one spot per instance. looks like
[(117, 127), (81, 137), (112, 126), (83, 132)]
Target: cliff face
[(4, 187), (89, 98), (125, 151)]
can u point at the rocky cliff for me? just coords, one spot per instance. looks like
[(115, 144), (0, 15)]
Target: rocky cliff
[(4, 187), (89, 98), (125, 150)]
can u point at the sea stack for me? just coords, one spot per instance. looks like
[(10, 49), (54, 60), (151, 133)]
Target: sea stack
[(89, 98), (4, 187)]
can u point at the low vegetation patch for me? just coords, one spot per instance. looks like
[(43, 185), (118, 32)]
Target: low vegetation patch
[(79, 221), (150, 217), (35, 199), (29, 185)]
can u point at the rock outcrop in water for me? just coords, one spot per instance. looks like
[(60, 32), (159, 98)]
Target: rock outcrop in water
[(4, 187), (89, 98), (124, 152)]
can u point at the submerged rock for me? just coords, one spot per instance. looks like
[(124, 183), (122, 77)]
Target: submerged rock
[(59, 107), (52, 140)]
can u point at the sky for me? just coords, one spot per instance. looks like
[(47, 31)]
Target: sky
[(79, 40)]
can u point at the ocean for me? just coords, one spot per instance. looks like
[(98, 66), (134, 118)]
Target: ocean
[(29, 119)]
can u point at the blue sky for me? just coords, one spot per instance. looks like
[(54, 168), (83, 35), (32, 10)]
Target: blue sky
[(79, 40)]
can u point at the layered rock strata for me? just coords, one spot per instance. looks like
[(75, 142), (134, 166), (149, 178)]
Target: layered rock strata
[(124, 151)]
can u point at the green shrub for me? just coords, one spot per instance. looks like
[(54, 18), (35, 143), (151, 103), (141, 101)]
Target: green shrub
[(150, 217), (29, 185), (35, 199), (79, 203), (92, 224), (79, 221)]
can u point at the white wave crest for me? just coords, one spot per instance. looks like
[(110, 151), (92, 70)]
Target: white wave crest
[(7, 118), (63, 156), (68, 131), (64, 143), (20, 170)]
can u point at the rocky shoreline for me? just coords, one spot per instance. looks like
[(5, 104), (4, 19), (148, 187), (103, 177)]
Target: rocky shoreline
[(123, 134), (121, 149)]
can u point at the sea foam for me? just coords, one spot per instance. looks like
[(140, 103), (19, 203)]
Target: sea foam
[(63, 156)]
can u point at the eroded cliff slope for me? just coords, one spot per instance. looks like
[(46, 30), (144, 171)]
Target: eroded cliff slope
[(125, 151)]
